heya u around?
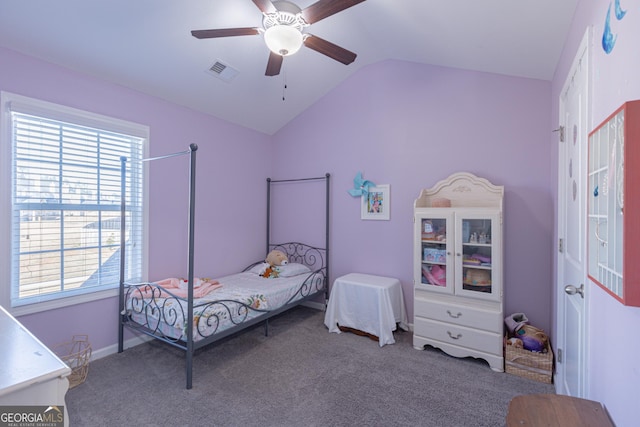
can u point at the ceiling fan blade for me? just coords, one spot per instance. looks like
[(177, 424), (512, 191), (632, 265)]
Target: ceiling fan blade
[(324, 47), (265, 6), (224, 32), (274, 64), (324, 8)]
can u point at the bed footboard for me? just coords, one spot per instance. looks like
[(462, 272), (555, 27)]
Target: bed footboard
[(155, 311)]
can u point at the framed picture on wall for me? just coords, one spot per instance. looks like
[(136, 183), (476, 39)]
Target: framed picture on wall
[(377, 203)]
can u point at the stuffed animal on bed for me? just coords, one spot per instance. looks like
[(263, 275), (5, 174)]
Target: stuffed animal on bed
[(274, 259)]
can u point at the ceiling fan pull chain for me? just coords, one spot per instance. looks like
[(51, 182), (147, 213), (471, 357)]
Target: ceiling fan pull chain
[(284, 86)]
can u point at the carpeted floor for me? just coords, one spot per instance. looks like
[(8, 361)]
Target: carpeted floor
[(300, 375)]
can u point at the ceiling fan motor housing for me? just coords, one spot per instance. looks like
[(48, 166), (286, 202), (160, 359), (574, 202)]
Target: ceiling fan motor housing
[(283, 28), (287, 14)]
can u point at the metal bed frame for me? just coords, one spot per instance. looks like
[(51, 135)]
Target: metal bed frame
[(241, 314)]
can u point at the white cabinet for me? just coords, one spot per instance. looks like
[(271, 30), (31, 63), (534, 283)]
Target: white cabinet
[(458, 268)]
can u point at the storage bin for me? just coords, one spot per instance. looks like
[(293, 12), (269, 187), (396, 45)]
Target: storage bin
[(529, 364), (76, 354)]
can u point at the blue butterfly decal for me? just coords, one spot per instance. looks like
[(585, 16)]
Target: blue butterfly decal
[(360, 186), (619, 12), (608, 38)]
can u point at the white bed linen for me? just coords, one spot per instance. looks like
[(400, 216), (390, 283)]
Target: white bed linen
[(247, 288)]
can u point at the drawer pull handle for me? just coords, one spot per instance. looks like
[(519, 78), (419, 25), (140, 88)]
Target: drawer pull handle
[(452, 337), (452, 315)]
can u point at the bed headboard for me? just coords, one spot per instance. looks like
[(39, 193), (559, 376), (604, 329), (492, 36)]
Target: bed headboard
[(313, 257)]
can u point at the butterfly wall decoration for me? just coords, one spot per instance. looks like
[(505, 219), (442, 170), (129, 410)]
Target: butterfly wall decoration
[(360, 186)]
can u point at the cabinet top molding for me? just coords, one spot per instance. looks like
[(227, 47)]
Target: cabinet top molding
[(463, 189)]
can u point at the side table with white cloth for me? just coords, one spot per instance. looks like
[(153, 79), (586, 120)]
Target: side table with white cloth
[(368, 303)]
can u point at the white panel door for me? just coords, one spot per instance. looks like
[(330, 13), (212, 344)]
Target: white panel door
[(571, 255)]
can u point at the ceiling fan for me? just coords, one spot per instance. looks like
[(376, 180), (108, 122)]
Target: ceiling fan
[(283, 25)]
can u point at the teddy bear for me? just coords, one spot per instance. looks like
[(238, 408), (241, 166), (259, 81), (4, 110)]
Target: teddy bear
[(274, 259)]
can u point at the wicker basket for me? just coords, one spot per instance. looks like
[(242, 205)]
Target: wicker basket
[(529, 364), (76, 354)]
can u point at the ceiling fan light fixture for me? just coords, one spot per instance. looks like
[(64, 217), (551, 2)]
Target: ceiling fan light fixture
[(284, 40)]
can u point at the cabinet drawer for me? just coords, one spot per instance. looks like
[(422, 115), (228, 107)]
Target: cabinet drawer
[(448, 333), (462, 315)]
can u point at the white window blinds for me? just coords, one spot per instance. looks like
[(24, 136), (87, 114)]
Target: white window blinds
[(65, 205)]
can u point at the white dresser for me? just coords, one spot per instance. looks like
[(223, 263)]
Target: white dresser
[(30, 373)]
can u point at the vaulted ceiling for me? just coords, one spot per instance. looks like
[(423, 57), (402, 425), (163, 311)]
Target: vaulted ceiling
[(147, 45)]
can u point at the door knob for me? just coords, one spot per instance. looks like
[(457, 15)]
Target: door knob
[(572, 290)]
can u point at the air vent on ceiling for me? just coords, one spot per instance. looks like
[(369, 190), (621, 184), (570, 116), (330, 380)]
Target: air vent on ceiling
[(223, 71)]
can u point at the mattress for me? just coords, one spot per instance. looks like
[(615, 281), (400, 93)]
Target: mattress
[(242, 297)]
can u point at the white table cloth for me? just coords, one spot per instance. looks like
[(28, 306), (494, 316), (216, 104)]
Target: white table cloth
[(372, 304)]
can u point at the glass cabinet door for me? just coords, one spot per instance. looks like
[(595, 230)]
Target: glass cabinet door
[(434, 252), (476, 256)]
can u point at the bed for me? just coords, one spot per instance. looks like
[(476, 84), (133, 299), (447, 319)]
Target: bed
[(221, 306)]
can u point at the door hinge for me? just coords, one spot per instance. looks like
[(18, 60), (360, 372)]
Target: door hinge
[(561, 245), (561, 130), (559, 355)]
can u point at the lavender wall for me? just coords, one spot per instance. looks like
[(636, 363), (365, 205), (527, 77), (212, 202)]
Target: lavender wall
[(614, 373), (410, 125), (230, 186), (403, 124)]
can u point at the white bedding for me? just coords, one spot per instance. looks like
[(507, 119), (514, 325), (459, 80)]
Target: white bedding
[(242, 288)]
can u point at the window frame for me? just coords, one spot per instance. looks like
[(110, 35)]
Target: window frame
[(62, 113)]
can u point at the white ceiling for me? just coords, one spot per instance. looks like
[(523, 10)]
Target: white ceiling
[(147, 45)]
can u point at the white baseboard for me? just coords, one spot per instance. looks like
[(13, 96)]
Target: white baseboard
[(314, 304), (113, 349)]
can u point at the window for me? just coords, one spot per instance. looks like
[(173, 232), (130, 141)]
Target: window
[(63, 183)]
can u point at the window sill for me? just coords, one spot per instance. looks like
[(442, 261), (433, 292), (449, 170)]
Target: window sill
[(39, 307)]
